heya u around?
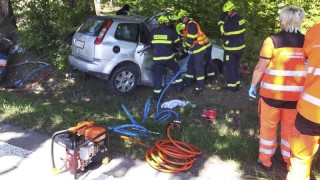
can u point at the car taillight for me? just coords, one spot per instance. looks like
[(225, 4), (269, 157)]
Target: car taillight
[(102, 33)]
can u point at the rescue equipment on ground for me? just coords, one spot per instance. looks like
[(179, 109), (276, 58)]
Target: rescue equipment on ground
[(176, 102), (172, 156), (209, 114), (82, 143)]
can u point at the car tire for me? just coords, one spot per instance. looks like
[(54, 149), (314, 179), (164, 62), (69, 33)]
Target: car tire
[(123, 80)]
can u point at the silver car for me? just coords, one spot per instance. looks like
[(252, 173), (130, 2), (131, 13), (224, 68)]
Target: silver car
[(117, 49)]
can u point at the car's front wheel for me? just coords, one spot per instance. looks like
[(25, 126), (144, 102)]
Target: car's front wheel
[(123, 80)]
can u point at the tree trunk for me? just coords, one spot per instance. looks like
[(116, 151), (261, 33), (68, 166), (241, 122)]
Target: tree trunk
[(7, 26)]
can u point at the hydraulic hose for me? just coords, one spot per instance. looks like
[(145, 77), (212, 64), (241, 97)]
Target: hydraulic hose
[(21, 82), (172, 156), (136, 130), (162, 116), (132, 130)]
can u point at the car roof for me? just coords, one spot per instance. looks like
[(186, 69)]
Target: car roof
[(122, 18)]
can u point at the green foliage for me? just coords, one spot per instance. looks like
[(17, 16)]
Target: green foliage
[(45, 25)]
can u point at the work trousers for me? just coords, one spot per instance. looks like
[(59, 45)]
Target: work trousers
[(159, 69), (231, 68), (269, 120), (196, 66), (209, 67), (303, 149)]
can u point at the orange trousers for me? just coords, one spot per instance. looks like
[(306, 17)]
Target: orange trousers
[(303, 148), (269, 120)]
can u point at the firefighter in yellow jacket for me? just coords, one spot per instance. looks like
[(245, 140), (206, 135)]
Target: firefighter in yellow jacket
[(305, 138), (281, 70)]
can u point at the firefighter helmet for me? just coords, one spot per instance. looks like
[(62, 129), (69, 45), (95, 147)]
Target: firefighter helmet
[(163, 19), (174, 17), (180, 27), (182, 13), (228, 6)]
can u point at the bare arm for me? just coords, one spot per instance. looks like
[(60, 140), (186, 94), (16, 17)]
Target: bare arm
[(259, 70)]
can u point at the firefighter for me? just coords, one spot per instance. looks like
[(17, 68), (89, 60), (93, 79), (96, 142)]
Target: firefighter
[(197, 43), (305, 137), (281, 70), (162, 39), (232, 29)]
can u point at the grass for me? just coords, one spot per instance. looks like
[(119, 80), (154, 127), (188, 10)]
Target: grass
[(59, 103)]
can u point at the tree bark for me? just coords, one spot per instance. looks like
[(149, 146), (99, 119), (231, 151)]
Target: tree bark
[(7, 26)]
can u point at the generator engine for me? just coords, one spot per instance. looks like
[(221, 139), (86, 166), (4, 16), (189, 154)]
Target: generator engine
[(82, 144)]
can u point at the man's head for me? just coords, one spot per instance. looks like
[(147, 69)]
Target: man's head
[(183, 15), (291, 18), (229, 8)]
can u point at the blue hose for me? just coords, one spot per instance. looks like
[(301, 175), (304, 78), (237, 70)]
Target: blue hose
[(20, 82), (137, 130), (166, 114)]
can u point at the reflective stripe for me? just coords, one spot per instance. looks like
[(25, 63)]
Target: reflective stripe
[(211, 74), (231, 85), (200, 78), (235, 32), (285, 153), (209, 44), (157, 91), (160, 36), (192, 36), (242, 21), (286, 73), (222, 30), (238, 82), (234, 48), (310, 99), (267, 142), (177, 40), (178, 80), (163, 57), (267, 151), (285, 143), (281, 87), (199, 50), (189, 76), (314, 71), (161, 42)]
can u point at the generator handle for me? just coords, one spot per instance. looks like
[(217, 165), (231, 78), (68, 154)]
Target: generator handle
[(52, 144)]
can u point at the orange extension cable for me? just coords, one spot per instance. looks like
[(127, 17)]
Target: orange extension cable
[(172, 156)]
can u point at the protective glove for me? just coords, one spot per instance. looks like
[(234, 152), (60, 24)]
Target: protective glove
[(253, 91)]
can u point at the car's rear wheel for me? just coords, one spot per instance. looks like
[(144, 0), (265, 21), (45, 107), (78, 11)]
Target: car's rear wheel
[(123, 80)]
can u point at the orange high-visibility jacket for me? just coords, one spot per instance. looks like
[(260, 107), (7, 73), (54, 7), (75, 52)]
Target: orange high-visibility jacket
[(309, 103), (195, 36), (286, 72)]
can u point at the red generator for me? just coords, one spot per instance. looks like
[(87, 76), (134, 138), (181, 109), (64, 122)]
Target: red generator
[(82, 143)]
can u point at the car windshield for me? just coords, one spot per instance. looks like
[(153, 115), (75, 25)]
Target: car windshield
[(92, 26)]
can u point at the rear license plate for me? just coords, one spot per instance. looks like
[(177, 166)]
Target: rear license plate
[(79, 44)]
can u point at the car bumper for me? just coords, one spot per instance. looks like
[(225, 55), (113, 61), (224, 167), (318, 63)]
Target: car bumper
[(89, 67)]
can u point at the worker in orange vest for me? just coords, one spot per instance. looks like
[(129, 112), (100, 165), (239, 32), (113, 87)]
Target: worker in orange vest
[(281, 70), (304, 141)]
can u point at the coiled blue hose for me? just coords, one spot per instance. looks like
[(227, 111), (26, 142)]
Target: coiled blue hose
[(166, 114), (137, 130)]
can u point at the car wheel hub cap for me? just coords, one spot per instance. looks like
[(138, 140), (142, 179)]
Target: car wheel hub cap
[(125, 81)]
